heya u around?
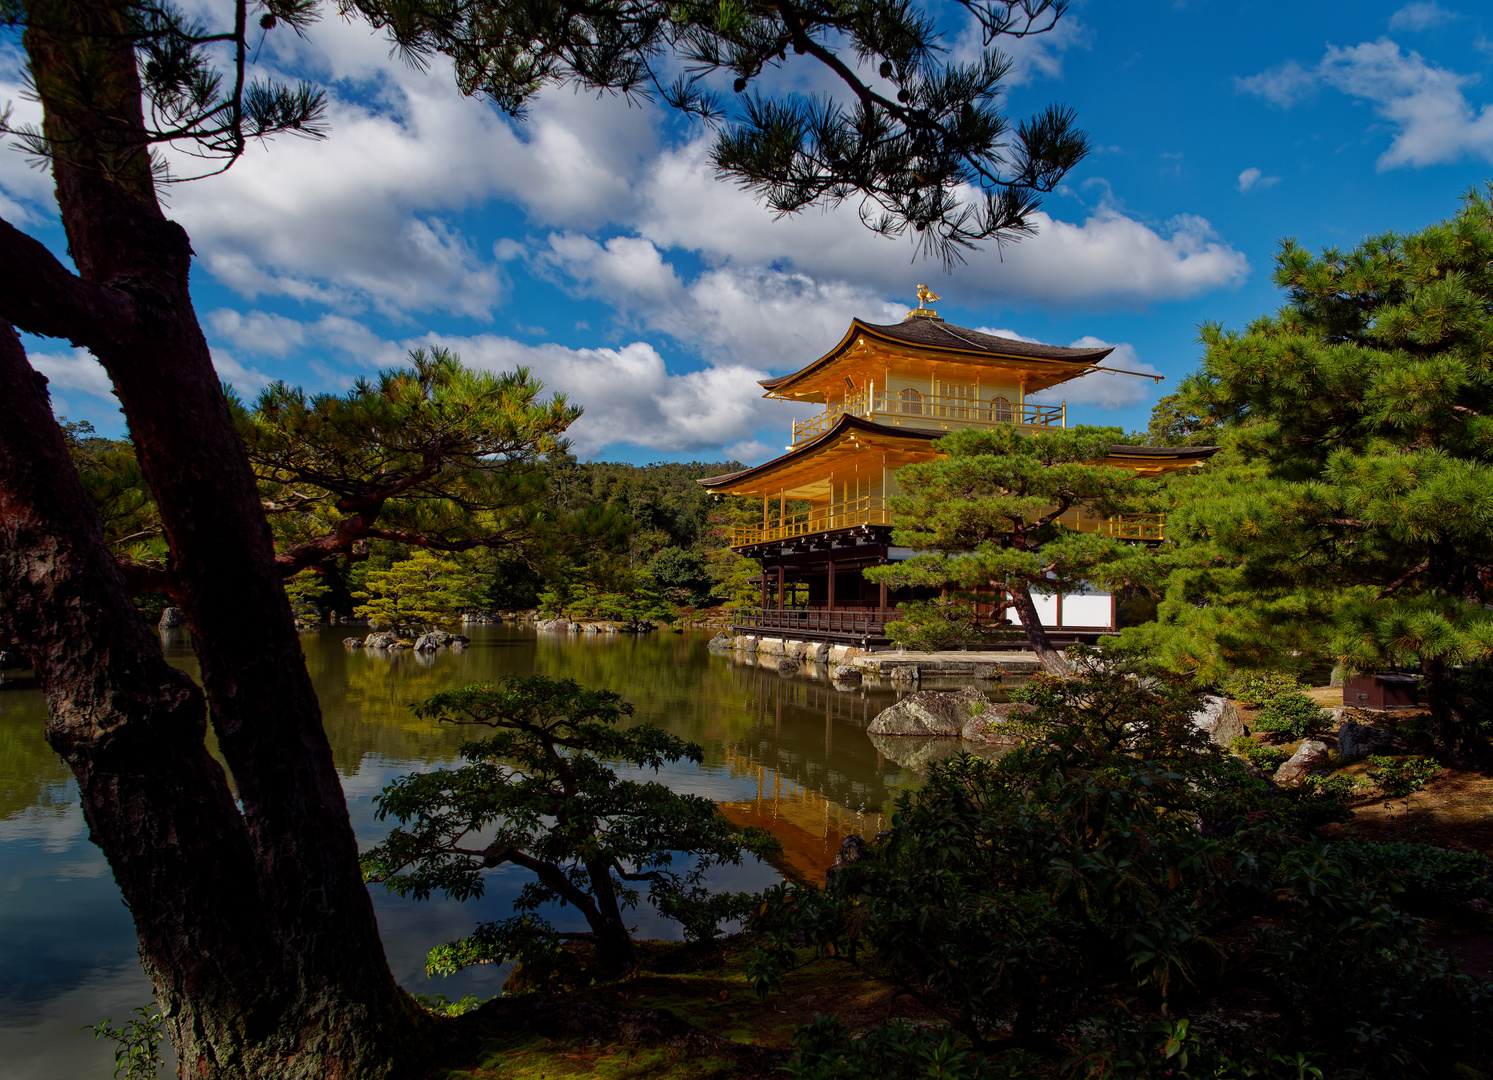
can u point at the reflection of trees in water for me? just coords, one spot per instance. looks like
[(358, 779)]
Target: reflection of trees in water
[(31, 775)]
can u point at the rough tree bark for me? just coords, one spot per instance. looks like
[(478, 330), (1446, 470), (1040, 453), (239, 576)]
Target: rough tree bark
[(327, 1004)]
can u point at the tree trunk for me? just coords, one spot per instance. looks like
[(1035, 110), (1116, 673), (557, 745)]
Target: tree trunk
[(1463, 746), (614, 948), (132, 729), (328, 1005), (1053, 661)]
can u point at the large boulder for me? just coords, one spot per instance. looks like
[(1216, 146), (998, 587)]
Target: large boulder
[(992, 726), (746, 643), (902, 673), (720, 643), (852, 850), (430, 642), (1310, 757), (1357, 741), (172, 618), (931, 712), (787, 667), (353, 642), (846, 673), (381, 640), (1219, 720)]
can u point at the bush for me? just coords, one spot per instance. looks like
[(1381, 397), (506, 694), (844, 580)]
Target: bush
[(1285, 713), (1264, 758), (1256, 688), (1096, 895), (1400, 779), (1426, 872)]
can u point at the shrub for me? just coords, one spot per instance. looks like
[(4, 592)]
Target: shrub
[(1400, 779), (1256, 688), (1092, 895), (1426, 872), (1264, 758)]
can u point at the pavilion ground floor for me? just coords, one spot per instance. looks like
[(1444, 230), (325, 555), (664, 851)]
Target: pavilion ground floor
[(812, 589)]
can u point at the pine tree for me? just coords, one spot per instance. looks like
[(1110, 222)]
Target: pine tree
[(1350, 517), (989, 507), (418, 592)]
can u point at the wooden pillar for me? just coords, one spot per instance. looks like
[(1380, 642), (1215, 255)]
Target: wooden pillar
[(1058, 618), (831, 602), (881, 596), (780, 587), (764, 588)]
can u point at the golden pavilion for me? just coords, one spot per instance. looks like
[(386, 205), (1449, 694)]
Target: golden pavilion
[(888, 392)]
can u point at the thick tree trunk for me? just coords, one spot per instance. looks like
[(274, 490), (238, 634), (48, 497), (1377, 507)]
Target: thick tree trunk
[(331, 1007), (1053, 662), (1460, 741), (132, 729)]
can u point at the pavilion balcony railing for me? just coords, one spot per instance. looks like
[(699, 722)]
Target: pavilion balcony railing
[(862, 623), (844, 515), (870, 510), (912, 408)]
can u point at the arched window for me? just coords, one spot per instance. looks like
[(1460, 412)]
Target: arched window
[(912, 402), (1001, 411)]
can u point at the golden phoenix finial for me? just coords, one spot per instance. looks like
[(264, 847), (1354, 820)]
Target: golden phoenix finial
[(926, 296)]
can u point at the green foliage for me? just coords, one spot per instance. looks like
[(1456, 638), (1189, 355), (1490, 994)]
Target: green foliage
[(422, 590), (1399, 778), (438, 1004), (637, 604), (1424, 871), (1176, 421), (1265, 758), (945, 623), (305, 591), (1291, 716), (686, 573), (989, 508), (1102, 863), (1348, 518), (1258, 688), (137, 1043), (538, 792)]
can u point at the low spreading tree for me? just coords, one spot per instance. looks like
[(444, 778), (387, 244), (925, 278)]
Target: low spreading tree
[(540, 792), (987, 510), (1348, 518)]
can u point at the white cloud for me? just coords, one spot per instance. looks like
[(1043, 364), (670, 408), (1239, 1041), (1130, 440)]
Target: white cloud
[(1284, 85), (247, 381), (1252, 178), (1426, 104), (26, 192), (1101, 389), (74, 370), (630, 396), (1420, 16)]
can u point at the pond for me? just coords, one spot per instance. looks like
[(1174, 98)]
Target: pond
[(786, 752)]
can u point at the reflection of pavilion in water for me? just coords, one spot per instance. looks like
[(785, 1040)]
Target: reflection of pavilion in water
[(813, 789)]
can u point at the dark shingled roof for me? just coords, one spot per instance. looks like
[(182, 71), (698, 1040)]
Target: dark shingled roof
[(937, 334)]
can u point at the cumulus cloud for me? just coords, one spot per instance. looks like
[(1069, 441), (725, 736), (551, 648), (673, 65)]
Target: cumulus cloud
[(1122, 388), (1252, 178), (74, 370), (1433, 120), (1420, 16)]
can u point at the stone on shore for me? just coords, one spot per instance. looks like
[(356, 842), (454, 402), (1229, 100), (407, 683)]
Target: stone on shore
[(931, 712), (787, 667), (1217, 718), (1357, 741), (1310, 757), (720, 643), (383, 640), (172, 618)]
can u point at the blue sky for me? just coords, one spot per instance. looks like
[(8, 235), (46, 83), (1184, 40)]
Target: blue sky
[(593, 243)]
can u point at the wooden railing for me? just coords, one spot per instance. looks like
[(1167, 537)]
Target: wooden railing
[(873, 511), (844, 515), (910, 408), (857, 625)]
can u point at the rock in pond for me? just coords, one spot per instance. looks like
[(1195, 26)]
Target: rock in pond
[(383, 640), (172, 618), (991, 727), (787, 667), (353, 642), (846, 673), (931, 712), (720, 643)]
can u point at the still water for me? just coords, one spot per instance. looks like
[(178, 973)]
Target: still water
[(788, 753)]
